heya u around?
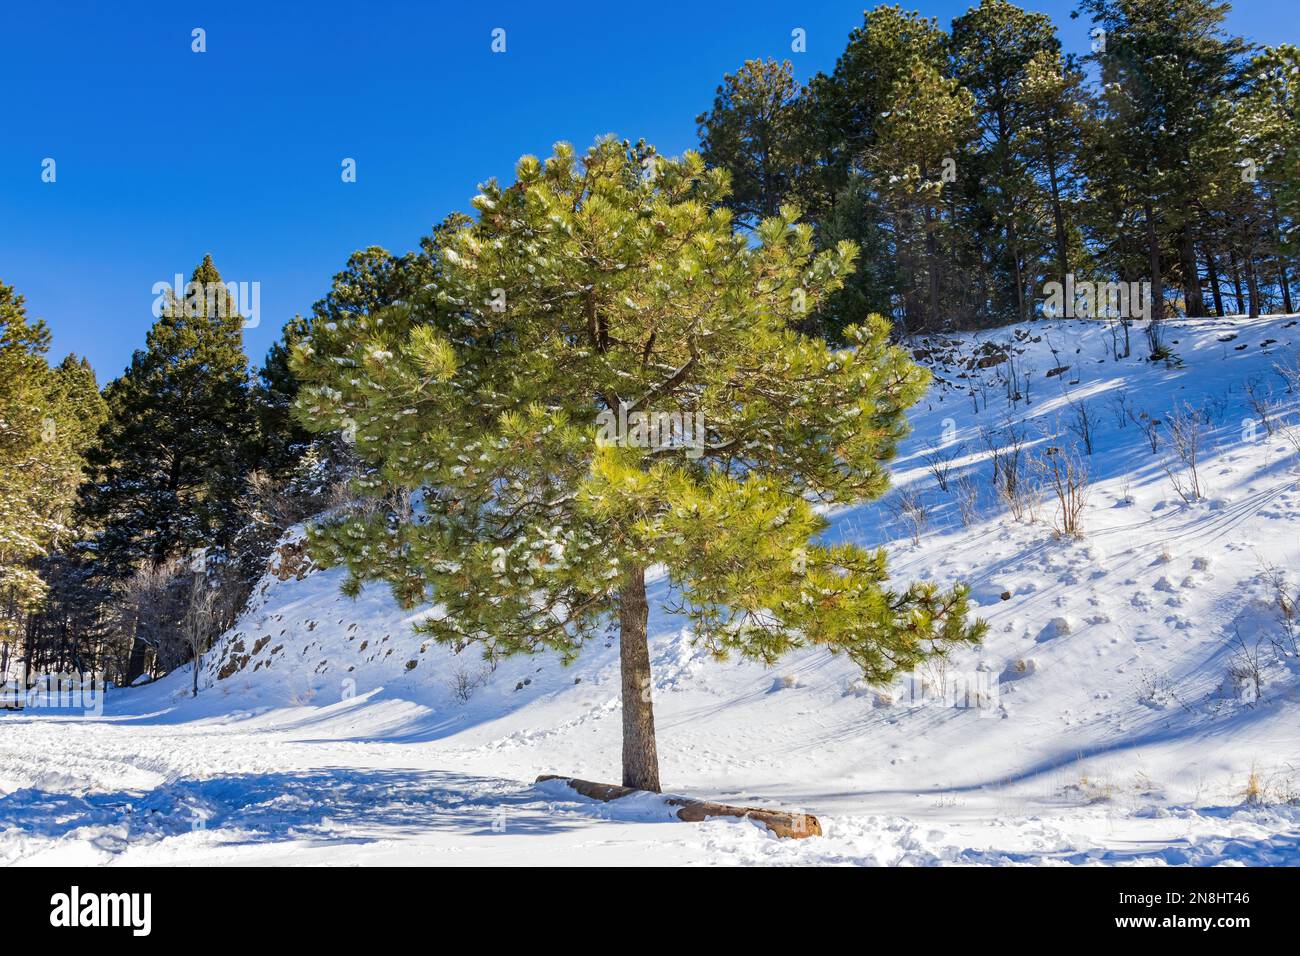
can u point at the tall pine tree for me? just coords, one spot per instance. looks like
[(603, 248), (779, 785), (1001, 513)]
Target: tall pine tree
[(47, 418), (168, 467), (24, 414), (1166, 68), (756, 131)]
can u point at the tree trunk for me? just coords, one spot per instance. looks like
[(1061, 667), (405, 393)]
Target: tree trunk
[(1212, 268), (1236, 282), (1285, 282), (198, 659), (932, 254), (135, 665), (1252, 285), (1019, 271), (1192, 299), (1062, 246), (640, 756), (1157, 280)]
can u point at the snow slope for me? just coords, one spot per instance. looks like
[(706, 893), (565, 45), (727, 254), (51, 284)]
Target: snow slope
[(1108, 728)]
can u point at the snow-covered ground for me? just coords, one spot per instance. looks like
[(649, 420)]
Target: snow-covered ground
[(1109, 725)]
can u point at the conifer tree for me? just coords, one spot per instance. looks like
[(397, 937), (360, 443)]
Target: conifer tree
[(24, 411), (993, 46), (1166, 68), (845, 112), (1265, 125), (929, 121), (599, 291), (755, 131), (167, 469), (859, 94), (47, 418), (1056, 109)]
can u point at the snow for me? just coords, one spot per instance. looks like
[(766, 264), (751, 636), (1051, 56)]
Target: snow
[(1113, 732)]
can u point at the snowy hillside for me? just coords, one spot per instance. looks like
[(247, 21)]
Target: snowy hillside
[(1136, 699)]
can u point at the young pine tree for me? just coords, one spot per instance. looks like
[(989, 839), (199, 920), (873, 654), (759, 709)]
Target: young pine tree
[(593, 290)]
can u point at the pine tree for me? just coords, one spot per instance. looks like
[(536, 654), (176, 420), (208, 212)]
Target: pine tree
[(1056, 109), (843, 115), (372, 280), (1166, 68), (1265, 125), (993, 47), (47, 416), (24, 453), (755, 131), (930, 120), (593, 292), (859, 95), (168, 467)]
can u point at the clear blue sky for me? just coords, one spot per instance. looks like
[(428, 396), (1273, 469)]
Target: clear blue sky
[(164, 154)]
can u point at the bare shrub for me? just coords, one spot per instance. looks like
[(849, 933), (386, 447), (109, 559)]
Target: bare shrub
[(1245, 676), (966, 492), (1066, 476), (1007, 452), (1157, 690), (1290, 372), (910, 510), (150, 604), (1277, 788), (1213, 410), (1263, 405), (464, 681), (1290, 432), (198, 624), (1186, 429), (1119, 408), (1083, 422), (1150, 428), (940, 461), (1017, 380), (1286, 601)]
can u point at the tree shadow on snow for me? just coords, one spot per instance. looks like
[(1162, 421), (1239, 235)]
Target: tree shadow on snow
[(318, 807)]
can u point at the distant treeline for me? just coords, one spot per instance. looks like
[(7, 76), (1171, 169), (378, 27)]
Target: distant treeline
[(975, 166)]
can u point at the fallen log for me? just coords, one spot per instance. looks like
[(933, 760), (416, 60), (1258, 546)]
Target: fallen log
[(794, 826)]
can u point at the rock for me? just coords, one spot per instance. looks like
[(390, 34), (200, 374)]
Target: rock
[(1017, 669), (1056, 627), (290, 560)]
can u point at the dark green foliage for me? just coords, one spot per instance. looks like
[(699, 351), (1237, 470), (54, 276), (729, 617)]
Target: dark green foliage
[(167, 469), (1136, 176)]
